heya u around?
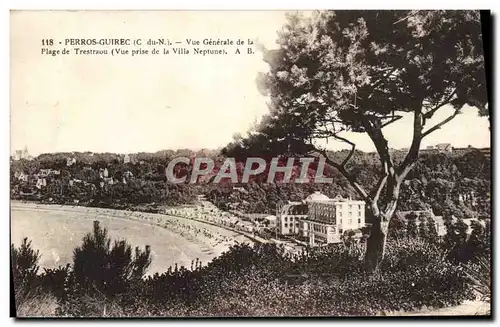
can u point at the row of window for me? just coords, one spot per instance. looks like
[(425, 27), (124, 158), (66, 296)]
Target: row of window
[(319, 228), (331, 208), (291, 225), (331, 211), (350, 213), (350, 221)]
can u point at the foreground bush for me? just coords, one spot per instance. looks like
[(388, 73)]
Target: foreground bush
[(261, 280), (108, 269)]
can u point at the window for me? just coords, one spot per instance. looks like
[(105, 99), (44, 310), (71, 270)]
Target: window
[(340, 213), (350, 213), (286, 225), (350, 207), (297, 225), (350, 221), (359, 221), (359, 206), (341, 221), (359, 213), (286, 219)]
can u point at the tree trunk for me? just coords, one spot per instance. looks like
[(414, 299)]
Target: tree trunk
[(375, 244)]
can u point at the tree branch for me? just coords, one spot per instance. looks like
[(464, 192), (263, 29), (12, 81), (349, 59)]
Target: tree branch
[(412, 154), (438, 126), (380, 186), (380, 142), (352, 179), (394, 119), (353, 148), (431, 112), (381, 79), (413, 12)]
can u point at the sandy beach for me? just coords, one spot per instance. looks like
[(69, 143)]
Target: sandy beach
[(56, 230)]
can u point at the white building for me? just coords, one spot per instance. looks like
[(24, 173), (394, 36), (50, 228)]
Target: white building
[(444, 148), (271, 221), (70, 161), (319, 219), (22, 154), (328, 219), (288, 217)]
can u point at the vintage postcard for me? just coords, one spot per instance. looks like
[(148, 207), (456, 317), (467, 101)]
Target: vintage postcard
[(250, 163)]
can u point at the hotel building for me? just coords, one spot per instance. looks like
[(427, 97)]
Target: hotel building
[(319, 219)]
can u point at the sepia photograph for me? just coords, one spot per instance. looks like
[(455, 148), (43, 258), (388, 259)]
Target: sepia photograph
[(208, 164)]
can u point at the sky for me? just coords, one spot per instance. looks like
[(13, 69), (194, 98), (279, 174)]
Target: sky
[(149, 103)]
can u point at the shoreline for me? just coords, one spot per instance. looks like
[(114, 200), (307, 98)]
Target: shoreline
[(113, 212), (212, 240)]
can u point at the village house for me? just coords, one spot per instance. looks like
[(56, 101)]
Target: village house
[(129, 158), (22, 154), (288, 217), (41, 182), (48, 172), (270, 221), (70, 161), (103, 173), (439, 148), (22, 176), (444, 148)]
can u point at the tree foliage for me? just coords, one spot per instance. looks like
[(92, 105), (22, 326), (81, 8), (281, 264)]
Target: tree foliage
[(111, 268), (359, 71)]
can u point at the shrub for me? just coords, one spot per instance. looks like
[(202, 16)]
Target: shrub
[(105, 269), (407, 253), (261, 280), (479, 274), (25, 267)]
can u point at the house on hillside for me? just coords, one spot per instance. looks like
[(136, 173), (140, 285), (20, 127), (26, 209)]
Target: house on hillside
[(444, 148), (23, 177), (41, 182), (70, 161), (22, 154), (48, 172), (270, 221)]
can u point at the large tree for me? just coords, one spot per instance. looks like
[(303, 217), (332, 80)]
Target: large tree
[(360, 71)]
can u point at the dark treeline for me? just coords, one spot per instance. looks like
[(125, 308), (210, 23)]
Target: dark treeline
[(455, 184), (458, 185)]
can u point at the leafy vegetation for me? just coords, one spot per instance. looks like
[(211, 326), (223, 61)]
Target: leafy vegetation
[(263, 280)]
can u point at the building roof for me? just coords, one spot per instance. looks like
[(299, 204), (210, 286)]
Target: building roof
[(316, 197)]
